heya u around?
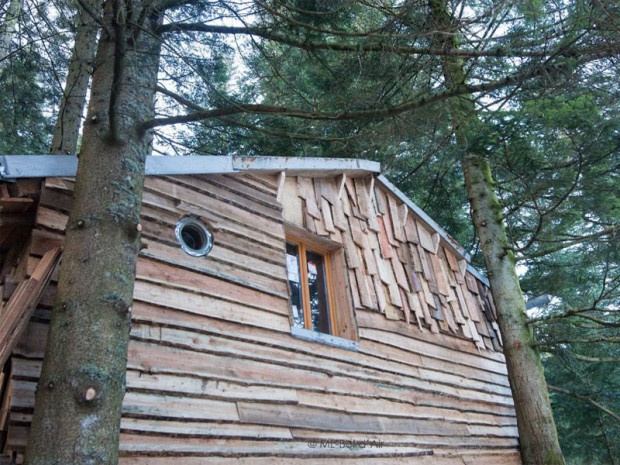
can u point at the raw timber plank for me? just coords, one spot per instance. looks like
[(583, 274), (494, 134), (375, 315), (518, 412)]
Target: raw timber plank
[(192, 197), (202, 429), (335, 378), (239, 238), (166, 274), (273, 347), (419, 439), (265, 182), (203, 304), (292, 204), (351, 361), (21, 305), (202, 343), (175, 256), (363, 198), (423, 365), (327, 216), (209, 189), (15, 205), (351, 252), (390, 408), (166, 406), (384, 243), (272, 459), (170, 446), (158, 359), (427, 239), (222, 252), (239, 186), (305, 188), (397, 226), (306, 417), (418, 345), (51, 219), (411, 230), (219, 390), (509, 457), (440, 277)]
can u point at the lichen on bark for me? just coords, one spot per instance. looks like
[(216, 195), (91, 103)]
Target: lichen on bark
[(79, 398)]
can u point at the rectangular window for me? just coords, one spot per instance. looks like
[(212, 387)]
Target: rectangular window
[(320, 296), (308, 277)]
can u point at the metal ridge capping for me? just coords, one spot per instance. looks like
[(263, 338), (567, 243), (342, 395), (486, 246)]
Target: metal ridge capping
[(41, 166)]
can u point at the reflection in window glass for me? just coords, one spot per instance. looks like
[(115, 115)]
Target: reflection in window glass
[(294, 278), (318, 292)]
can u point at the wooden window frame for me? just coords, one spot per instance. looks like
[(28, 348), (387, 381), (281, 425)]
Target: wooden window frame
[(341, 316), (302, 248)]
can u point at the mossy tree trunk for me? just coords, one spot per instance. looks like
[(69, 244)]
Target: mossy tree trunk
[(537, 431), (80, 392), (65, 139)]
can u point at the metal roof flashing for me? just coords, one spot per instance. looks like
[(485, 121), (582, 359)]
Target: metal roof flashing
[(39, 166)]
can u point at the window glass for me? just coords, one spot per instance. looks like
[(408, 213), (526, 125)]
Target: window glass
[(317, 285), (294, 281)]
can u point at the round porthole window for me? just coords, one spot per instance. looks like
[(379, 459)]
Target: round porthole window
[(194, 237)]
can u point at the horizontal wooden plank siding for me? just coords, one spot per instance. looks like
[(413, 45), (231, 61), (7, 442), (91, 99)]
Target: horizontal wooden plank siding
[(214, 375)]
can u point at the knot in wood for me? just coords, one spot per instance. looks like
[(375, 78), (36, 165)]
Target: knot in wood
[(90, 394)]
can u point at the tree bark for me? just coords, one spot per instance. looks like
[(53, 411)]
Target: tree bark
[(7, 28), (537, 431), (80, 392), (69, 119)]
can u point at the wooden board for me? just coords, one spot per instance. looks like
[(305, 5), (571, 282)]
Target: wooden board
[(214, 374)]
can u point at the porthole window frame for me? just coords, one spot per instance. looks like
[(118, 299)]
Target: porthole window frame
[(201, 228)]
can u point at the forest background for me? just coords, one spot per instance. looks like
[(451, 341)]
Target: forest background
[(531, 87)]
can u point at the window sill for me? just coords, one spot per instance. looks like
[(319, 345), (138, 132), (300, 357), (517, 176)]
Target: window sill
[(326, 339)]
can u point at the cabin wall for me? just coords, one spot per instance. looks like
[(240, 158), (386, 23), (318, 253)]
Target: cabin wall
[(214, 374)]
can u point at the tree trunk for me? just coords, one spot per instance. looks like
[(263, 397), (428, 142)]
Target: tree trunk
[(537, 431), (74, 96), (80, 392), (7, 28)]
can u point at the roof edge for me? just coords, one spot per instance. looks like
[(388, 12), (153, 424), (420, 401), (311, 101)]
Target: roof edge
[(447, 238), (42, 166)]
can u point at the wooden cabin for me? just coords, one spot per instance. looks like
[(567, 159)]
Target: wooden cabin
[(331, 321)]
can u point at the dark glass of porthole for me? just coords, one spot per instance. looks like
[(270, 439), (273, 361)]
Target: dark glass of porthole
[(194, 236)]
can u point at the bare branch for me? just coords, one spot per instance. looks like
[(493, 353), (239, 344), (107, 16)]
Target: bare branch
[(593, 340), (565, 243), (596, 359), (588, 399), (513, 79), (379, 46)]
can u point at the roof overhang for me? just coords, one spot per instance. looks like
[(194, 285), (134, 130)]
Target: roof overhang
[(43, 166)]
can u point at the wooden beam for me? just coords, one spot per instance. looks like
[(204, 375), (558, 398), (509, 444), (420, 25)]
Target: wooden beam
[(22, 303)]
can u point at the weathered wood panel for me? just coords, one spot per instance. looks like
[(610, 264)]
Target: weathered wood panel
[(214, 375), (394, 250)]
